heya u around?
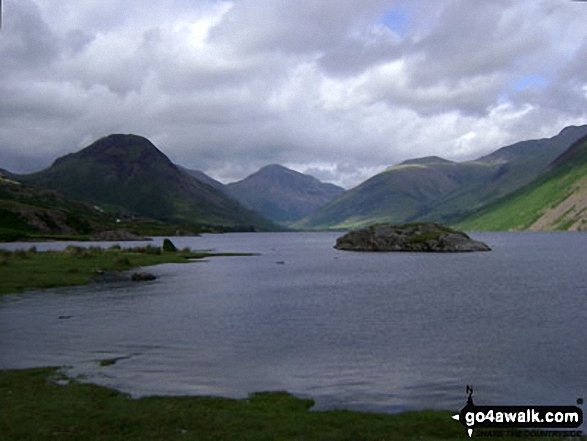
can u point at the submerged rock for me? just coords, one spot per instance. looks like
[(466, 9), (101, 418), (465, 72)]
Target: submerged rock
[(142, 276), (425, 237)]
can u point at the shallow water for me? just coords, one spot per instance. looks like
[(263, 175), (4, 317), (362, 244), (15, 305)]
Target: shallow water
[(368, 331)]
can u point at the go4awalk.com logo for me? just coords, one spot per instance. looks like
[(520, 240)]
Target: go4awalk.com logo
[(520, 417)]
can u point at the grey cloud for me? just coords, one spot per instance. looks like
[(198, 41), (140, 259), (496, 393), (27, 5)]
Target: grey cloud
[(293, 27), (26, 42), (309, 84)]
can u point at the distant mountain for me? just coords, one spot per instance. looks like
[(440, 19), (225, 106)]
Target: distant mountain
[(555, 200), (435, 189), (281, 194), (127, 174)]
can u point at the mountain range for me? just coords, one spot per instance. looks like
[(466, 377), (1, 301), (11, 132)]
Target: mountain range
[(128, 175), (535, 184), (435, 189)]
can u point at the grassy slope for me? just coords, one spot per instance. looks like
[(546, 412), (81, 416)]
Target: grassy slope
[(35, 408), (529, 207), (431, 189), (399, 194), (32, 213), (27, 211)]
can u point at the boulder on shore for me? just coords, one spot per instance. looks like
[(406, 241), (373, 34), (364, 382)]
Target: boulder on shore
[(424, 237)]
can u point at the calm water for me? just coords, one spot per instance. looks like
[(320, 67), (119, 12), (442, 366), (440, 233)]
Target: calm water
[(383, 332)]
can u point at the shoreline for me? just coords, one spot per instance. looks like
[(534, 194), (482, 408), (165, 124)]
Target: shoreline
[(25, 270), (43, 403), (66, 408)]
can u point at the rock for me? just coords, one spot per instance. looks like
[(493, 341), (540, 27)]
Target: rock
[(168, 246), (142, 276), (426, 237)]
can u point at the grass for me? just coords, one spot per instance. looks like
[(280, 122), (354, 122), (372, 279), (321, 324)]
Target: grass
[(524, 207), (22, 270), (35, 407)]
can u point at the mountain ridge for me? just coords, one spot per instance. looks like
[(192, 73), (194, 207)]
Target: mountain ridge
[(126, 173), (441, 191)]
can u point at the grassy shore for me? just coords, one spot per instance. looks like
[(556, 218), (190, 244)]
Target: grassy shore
[(22, 270), (34, 407)]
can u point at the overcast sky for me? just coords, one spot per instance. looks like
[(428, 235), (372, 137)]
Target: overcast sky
[(336, 88)]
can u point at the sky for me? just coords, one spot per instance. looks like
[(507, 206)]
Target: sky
[(340, 89)]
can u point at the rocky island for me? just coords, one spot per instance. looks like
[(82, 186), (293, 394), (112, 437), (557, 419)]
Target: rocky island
[(424, 237)]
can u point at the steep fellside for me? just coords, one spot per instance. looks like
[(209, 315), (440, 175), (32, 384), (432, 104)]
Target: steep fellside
[(433, 189), (556, 200), (281, 194), (129, 175), (513, 167), (27, 212), (398, 194)]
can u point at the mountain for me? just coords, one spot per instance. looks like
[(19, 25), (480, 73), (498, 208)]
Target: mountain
[(128, 175), (555, 200), (281, 194), (398, 194), (438, 190)]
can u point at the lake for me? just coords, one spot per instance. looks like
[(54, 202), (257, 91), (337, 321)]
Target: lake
[(364, 331)]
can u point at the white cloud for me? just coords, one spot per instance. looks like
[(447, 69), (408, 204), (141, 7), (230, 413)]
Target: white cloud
[(339, 88)]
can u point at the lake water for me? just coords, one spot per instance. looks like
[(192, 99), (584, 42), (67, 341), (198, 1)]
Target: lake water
[(368, 331)]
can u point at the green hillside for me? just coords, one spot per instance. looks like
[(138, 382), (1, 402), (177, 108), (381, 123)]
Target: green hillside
[(556, 200), (128, 175), (433, 189), (27, 212), (398, 194)]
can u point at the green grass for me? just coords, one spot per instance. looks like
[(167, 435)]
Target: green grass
[(524, 207), (35, 407), (24, 270)]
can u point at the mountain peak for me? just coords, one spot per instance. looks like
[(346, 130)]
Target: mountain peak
[(277, 169), (129, 175), (118, 148), (282, 194)]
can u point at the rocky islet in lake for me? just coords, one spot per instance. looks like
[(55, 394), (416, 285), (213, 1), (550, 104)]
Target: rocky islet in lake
[(422, 237)]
